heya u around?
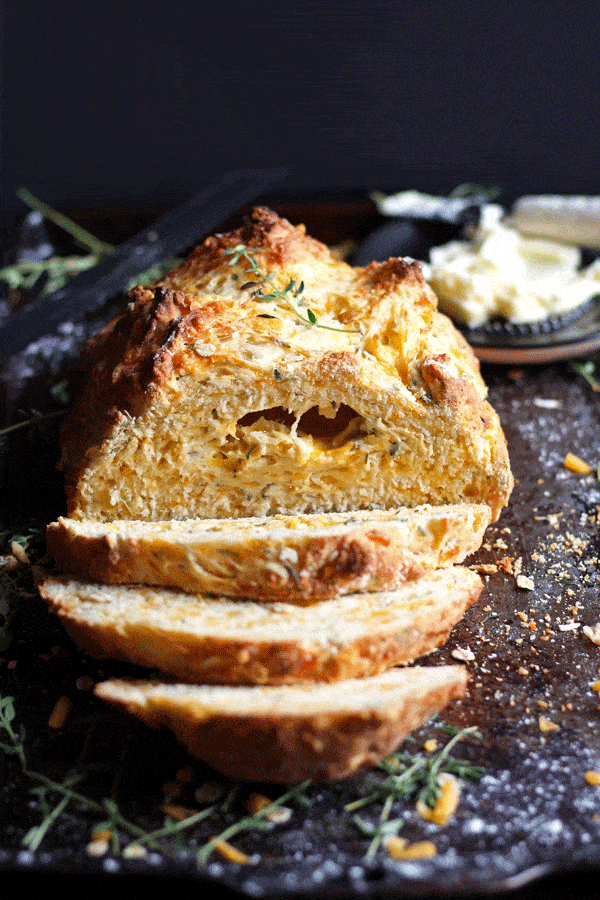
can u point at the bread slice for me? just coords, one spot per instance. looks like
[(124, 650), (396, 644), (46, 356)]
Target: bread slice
[(287, 734), (298, 559), (265, 376), (197, 638)]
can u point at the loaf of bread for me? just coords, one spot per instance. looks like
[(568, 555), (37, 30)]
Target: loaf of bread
[(203, 639), (297, 559), (287, 734), (264, 376)]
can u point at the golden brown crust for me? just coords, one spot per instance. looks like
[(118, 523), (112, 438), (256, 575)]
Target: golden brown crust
[(201, 343), (328, 641), (287, 748), (294, 559)]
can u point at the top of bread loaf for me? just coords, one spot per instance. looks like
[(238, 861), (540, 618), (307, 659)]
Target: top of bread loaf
[(264, 376)]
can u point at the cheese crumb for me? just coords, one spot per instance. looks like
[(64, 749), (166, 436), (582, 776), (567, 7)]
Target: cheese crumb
[(464, 654), (399, 848), (545, 725), (527, 584), (228, 851), (593, 633), (446, 803), (576, 464), (592, 778)]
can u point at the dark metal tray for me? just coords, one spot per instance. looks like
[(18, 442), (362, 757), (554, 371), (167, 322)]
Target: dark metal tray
[(532, 814)]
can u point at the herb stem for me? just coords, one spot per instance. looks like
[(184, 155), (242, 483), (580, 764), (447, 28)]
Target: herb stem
[(81, 235), (35, 835), (26, 422), (385, 812), (248, 822), (241, 251)]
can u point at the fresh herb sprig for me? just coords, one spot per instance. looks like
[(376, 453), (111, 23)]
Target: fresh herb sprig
[(47, 789), (411, 776), (266, 280), (258, 820), (57, 270)]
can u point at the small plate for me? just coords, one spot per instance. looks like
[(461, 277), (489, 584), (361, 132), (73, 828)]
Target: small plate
[(579, 336)]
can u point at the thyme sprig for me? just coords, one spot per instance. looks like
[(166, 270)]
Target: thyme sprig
[(47, 787), (266, 280), (57, 270), (411, 776), (257, 820)]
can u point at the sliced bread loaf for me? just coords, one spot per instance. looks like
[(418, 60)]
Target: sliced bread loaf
[(264, 376), (198, 638), (298, 559), (287, 734)]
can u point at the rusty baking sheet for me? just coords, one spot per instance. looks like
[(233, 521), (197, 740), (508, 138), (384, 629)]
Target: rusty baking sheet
[(528, 645)]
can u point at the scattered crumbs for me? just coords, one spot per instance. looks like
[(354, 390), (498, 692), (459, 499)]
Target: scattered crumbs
[(576, 464), (60, 713), (500, 544), (464, 654), (547, 403), (506, 564), (569, 626), (278, 814), (592, 778), (542, 704), (97, 848), (517, 565), (179, 813), (430, 746), (593, 633), (208, 792), (525, 583), (522, 670), (486, 568), (545, 725)]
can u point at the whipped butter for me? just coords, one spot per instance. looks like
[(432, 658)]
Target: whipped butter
[(499, 272)]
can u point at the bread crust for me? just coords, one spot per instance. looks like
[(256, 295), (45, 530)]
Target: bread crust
[(169, 424), (200, 639), (290, 747), (290, 558)]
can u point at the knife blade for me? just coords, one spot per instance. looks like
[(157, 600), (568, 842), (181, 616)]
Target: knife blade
[(171, 233)]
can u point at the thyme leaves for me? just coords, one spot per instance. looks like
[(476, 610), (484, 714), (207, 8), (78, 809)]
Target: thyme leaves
[(263, 288), (44, 276), (410, 777)]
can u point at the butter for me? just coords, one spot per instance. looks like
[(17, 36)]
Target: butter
[(501, 273)]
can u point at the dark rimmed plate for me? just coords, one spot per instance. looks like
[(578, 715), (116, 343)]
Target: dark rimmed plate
[(497, 343), (578, 337)]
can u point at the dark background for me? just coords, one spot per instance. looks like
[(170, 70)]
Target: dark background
[(130, 104)]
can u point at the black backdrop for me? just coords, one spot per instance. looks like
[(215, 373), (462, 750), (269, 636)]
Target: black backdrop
[(109, 103)]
